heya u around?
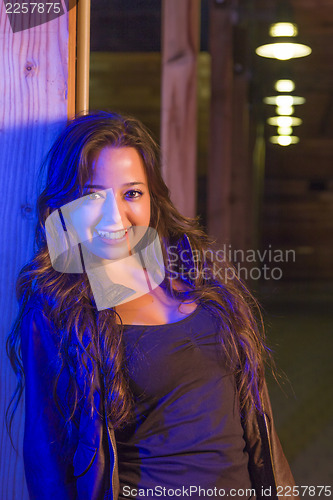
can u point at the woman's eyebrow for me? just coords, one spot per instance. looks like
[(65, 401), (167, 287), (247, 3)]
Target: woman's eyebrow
[(134, 183), (127, 184), (94, 186)]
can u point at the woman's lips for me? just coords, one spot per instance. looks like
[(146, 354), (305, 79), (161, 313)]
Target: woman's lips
[(119, 237), (112, 235)]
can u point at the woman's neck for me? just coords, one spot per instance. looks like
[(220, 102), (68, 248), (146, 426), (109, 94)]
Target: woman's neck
[(154, 308)]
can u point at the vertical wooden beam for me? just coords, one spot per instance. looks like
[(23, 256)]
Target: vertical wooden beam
[(220, 146), (83, 56), (180, 45), (242, 177), (34, 100), (72, 35)]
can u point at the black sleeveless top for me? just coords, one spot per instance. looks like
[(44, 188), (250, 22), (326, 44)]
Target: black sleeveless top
[(187, 430)]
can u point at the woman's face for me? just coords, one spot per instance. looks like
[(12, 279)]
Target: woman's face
[(114, 212)]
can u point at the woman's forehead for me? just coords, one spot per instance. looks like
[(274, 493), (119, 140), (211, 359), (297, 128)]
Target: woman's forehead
[(118, 164)]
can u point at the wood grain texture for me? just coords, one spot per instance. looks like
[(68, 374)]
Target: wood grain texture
[(71, 84), (242, 217), (180, 45), (82, 57), (33, 107), (219, 180)]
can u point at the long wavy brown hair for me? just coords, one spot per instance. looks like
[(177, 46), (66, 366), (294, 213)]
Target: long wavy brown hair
[(90, 343)]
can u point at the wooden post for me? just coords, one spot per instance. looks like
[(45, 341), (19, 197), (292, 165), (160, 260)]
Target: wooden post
[(220, 147), (180, 35), (242, 179), (83, 56), (35, 99)]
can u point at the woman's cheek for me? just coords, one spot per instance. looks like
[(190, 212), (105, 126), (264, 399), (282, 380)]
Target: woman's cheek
[(84, 223), (141, 214)]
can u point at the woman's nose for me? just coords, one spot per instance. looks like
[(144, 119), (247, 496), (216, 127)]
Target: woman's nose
[(111, 215)]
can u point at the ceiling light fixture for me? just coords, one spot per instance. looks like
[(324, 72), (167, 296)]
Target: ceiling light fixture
[(284, 110), (284, 100), (284, 130), (283, 50), (285, 46), (283, 29), (284, 121), (284, 85), (284, 140)]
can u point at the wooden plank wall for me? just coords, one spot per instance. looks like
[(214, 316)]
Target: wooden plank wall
[(180, 46), (35, 98), (298, 208)]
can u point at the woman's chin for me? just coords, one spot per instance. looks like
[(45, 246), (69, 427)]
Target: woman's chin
[(99, 253)]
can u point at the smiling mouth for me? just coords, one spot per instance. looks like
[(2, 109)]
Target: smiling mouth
[(112, 235)]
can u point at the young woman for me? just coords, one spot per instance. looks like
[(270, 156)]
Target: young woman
[(159, 389)]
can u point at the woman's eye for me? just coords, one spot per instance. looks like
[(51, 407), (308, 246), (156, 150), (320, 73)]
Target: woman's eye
[(94, 196), (133, 193)]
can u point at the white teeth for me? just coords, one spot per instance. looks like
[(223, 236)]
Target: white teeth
[(114, 235)]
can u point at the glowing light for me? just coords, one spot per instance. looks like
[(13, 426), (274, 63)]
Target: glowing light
[(284, 110), (284, 121), (284, 100), (283, 50), (284, 140), (284, 86), (284, 130), (283, 29)]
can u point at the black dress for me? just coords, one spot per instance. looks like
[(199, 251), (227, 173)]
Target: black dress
[(186, 432)]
